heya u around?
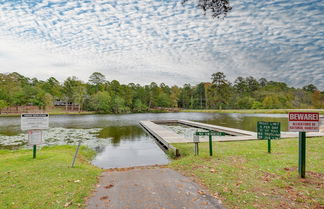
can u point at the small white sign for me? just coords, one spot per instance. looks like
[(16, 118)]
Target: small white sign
[(196, 139), (32, 121), (303, 122), (35, 137)]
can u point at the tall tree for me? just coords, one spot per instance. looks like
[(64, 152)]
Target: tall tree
[(53, 87), (175, 92), (217, 8), (317, 101), (73, 90), (3, 104), (101, 102), (310, 88), (97, 79), (220, 90), (79, 93)]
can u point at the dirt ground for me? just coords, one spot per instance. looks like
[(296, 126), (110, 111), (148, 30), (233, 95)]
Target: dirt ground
[(151, 188)]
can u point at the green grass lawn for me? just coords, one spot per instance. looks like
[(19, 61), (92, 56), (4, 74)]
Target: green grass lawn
[(253, 111), (244, 175), (47, 181)]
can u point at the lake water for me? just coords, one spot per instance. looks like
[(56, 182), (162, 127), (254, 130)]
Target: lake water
[(118, 139)]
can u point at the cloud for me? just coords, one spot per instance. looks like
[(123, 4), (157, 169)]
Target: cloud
[(163, 41)]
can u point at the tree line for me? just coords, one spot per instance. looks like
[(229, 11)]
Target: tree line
[(103, 96)]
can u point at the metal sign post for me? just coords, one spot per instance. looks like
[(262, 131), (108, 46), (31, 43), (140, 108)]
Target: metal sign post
[(303, 122), (34, 151), (210, 144), (269, 131), (34, 138), (302, 154), (76, 153), (210, 134)]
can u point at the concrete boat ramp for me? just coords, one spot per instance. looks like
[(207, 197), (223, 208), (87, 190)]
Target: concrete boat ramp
[(167, 136)]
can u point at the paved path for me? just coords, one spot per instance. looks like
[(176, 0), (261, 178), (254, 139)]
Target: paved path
[(149, 188)]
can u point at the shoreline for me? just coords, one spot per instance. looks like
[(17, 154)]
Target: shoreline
[(255, 111), (241, 111)]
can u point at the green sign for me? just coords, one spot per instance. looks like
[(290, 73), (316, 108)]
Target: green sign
[(211, 133), (268, 130)]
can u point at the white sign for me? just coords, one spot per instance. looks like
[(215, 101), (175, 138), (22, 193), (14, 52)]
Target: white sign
[(303, 122), (31, 121), (196, 138), (35, 137)]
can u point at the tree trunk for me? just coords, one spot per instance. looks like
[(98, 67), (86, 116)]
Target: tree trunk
[(206, 98)]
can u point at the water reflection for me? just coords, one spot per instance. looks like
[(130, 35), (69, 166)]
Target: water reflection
[(246, 121), (9, 130), (139, 152), (118, 133)]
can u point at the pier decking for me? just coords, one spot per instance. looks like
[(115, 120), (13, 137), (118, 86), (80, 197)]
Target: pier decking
[(167, 136), (163, 135), (231, 131)]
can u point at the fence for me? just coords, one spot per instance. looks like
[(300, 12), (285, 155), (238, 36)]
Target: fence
[(37, 109)]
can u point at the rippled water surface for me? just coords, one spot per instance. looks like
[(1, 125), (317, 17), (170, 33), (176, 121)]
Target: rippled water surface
[(118, 139)]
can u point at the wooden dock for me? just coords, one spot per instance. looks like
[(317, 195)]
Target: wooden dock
[(163, 135), (167, 136), (230, 131)]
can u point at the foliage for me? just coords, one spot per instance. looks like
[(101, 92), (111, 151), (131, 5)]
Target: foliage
[(105, 96), (317, 99), (310, 88), (217, 8), (97, 80), (3, 104), (101, 102)]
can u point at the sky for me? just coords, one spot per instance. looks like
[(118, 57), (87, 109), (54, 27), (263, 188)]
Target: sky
[(143, 41)]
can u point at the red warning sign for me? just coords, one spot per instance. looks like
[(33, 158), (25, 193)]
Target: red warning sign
[(303, 122)]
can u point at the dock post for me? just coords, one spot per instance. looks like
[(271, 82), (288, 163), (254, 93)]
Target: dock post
[(177, 153), (196, 148)]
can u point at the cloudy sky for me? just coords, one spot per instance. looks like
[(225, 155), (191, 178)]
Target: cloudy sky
[(142, 41)]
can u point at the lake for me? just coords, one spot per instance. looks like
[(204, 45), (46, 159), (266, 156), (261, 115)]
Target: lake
[(118, 139)]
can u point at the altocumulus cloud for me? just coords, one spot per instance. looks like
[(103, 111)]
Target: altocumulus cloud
[(163, 41)]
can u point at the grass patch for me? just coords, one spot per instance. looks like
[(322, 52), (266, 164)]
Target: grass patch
[(244, 175), (47, 181), (253, 111)]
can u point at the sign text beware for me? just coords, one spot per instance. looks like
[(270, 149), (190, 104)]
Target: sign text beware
[(303, 122)]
